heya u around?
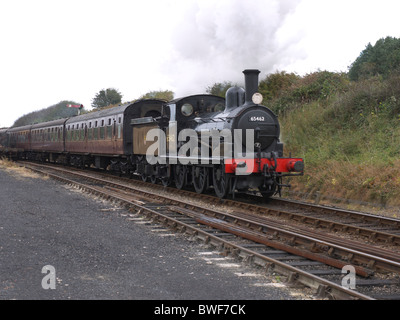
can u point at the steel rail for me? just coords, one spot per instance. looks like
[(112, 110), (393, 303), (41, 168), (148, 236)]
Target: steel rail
[(314, 248), (387, 254), (363, 216)]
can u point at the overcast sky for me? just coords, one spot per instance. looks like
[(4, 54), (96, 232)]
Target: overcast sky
[(54, 50)]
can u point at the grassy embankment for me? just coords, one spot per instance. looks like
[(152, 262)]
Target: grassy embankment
[(347, 132)]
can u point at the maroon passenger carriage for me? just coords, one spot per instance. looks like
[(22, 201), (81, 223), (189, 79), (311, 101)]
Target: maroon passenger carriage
[(47, 141), (3, 139), (104, 138), (19, 140), (43, 141)]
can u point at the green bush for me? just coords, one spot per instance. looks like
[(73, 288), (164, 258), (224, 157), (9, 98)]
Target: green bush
[(294, 91)]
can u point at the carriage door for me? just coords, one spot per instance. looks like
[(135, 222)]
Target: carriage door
[(114, 135), (86, 138)]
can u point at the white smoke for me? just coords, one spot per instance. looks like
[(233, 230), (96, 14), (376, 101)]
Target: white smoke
[(216, 40)]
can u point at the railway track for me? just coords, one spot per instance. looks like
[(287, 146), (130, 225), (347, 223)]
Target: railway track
[(377, 228), (308, 256)]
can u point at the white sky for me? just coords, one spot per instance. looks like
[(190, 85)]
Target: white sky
[(54, 50)]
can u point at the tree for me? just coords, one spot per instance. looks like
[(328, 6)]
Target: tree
[(166, 95), (219, 88), (381, 59), (106, 97)]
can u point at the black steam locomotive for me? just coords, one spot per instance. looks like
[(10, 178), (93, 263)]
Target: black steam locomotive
[(203, 141)]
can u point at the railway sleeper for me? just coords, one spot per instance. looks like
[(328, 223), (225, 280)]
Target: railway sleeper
[(292, 279), (323, 292)]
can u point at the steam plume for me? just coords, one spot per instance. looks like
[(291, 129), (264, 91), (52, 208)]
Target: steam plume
[(216, 40)]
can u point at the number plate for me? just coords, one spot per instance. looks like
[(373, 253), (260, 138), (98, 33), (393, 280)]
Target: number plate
[(256, 119)]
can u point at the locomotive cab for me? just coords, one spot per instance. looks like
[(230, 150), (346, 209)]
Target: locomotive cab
[(186, 110)]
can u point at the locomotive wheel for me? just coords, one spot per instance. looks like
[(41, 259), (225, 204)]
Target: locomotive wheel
[(153, 179), (267, 192), (123, 168), (167, 176), (166, 181), (200, 175), (220, 181), (180, 176)]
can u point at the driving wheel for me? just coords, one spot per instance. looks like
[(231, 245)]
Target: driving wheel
[(220, 181), (200, 176)]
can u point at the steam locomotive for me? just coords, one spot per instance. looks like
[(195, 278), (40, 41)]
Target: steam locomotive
[(202, 141)]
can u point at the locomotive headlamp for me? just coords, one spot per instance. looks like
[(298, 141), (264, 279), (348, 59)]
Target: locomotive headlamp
[(257, 98)]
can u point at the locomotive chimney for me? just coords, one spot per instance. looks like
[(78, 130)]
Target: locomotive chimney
[(251, 83)]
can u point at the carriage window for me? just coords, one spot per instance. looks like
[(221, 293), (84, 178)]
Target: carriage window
[(187, 109), (109, 122)]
